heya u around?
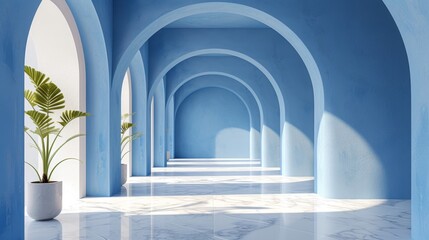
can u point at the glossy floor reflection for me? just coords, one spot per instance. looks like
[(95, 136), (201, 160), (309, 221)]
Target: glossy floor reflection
[(224, 199)]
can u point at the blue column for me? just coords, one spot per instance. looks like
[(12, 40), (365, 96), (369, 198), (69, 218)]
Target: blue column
[(170, 115), (15, 21), (412, 18), (139, 99), (159, 116), (97, 53), (114, 173)]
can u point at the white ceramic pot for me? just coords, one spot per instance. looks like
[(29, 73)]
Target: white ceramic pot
[(124, 175), (44, 201)]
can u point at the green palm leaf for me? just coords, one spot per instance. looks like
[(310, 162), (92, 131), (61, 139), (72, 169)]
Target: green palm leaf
[(34, 168), (30, 97), (125, 126), (49, 97), (45, 132), (126, 115), (56, 165), (51, 157), (42, 121), (37, 78), (69, 115)]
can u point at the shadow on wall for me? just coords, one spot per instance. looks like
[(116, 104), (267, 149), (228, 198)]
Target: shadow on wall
[(360, 154), (212, 123)]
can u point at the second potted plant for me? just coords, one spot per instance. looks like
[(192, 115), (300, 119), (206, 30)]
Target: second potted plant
[(126, 138)]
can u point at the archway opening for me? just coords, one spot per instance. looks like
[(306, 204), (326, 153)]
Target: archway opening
[(152, 132), (126, 118), (54, 48)]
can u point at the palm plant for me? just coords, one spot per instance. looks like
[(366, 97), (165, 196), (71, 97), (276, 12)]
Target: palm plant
[(44, 101), (126, 136)]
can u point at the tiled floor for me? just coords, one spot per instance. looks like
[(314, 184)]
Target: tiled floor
[(224, 199)]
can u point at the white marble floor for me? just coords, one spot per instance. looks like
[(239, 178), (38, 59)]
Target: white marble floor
[(224, 199)]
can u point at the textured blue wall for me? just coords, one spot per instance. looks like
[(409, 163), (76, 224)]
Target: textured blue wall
[(222, 82), (212, 123), (103, 9)]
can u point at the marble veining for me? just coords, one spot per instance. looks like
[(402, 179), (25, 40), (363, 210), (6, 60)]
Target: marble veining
[(224, 199)]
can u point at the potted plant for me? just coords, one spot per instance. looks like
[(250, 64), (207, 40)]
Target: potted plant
[(44, 196), (126, 138)]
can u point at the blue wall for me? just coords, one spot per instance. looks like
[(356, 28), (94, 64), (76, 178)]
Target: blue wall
[(212, 123)]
